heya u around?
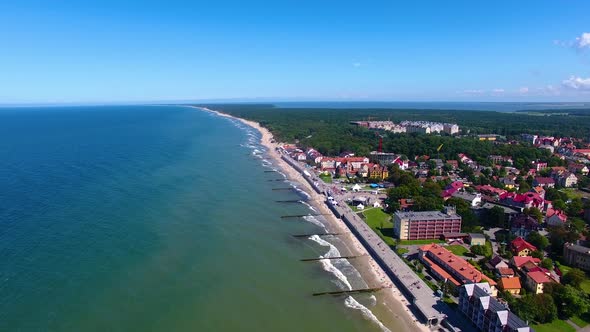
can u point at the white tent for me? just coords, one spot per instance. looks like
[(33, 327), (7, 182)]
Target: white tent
[(360, 207), (356, 188), (376, 204)]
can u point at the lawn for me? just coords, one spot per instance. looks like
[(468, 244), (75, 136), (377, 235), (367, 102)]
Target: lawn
[(380, 222), (557, 325), (457, 249), (581, 321), (326, 178)]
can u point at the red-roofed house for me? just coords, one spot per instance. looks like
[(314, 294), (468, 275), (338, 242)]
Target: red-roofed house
[(447, 266), (536, 280), (518, 261), (521, 201), (555, 217), (521, 248)]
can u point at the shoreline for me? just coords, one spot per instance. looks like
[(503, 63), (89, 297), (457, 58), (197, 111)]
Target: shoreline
[(391, 298)]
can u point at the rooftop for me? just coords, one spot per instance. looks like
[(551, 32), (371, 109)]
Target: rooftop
[(539, 277), (425, 215), (467, 271), (510, 283)]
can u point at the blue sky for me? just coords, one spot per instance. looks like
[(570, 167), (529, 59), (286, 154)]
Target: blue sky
[(125, 51)]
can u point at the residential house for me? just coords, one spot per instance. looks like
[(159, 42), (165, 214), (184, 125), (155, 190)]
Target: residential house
[(538, 165), (510, 285), (536, 281), (522, 225), (496, 263), (453, 163), (544, 182), (486, 312), (520, 247), (505, 272), (518, 262), (555, 217), (578, 169), (567, 180)]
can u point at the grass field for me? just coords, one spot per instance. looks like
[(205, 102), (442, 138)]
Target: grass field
[(582, 321), (457, 249), (380, 222), (555, 326), (326, 178)]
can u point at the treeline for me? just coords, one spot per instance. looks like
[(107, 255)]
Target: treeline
[(330, 131), (478, 122)]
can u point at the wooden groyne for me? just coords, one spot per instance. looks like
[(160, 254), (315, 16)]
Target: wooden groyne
[(308, 235), (304, 215), (352, 291), (330, 258)]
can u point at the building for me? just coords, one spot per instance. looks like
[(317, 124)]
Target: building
[(536, 280), (520, 247), (522, 225), (383, 158), (577, 256), (544, 182), (453, 269), (426, 224), (486, 312), (555, 217), (519, 261), (567, 180), (510, 285), (578, 168), (473, 199), (476, 239)]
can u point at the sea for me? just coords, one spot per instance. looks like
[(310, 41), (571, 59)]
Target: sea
[(160, 218)]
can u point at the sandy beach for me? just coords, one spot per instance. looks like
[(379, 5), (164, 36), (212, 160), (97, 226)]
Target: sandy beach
[(391, 298)]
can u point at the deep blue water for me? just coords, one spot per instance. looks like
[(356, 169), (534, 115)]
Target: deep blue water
[(152, 218)]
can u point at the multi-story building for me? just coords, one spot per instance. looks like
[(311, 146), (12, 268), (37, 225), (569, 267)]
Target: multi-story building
[(454, 270), (486, 312), (577, 256), (425, 225)]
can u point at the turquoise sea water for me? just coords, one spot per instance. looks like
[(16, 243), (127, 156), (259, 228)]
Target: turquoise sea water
[(154, 218)]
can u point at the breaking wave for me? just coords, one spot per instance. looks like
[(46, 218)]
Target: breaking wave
[(350, 302)]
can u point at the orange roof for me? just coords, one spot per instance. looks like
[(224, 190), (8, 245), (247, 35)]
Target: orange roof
[(455, 263), (510, 283), (505, 271), (441, 271)]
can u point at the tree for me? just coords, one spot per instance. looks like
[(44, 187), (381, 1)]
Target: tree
[(574, 277), (571, 301), (540, 308), (535, 213), (547, 263), (496, 217), (538, 240), (478, 250), (537, 254)]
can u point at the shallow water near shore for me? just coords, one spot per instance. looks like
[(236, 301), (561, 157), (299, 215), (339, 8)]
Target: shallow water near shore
[(157, 218)]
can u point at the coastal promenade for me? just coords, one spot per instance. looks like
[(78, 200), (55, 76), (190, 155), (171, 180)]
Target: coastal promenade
[(424, 301)]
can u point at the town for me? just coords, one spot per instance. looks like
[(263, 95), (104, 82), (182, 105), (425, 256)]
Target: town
[(501, 239)]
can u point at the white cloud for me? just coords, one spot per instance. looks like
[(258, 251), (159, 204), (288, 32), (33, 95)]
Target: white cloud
[(523, 90), (583, 41), (357, 64), (498, 91), (577, 83)]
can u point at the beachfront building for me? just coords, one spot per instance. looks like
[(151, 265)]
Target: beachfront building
[(451, 268), (577, 256), (425, 225), (486, 312)]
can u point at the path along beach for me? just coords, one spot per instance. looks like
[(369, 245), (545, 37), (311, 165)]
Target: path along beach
[(391, 298)]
